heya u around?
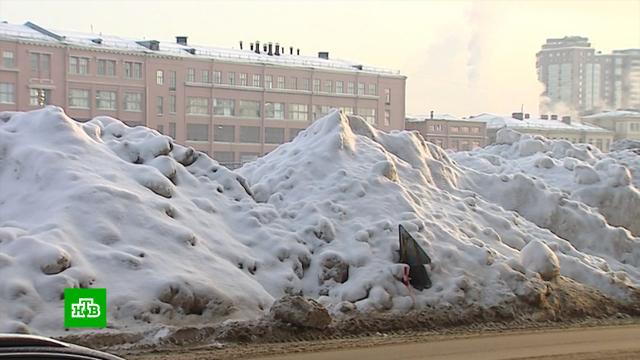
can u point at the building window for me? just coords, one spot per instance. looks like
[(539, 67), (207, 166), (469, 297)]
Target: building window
[(305, 84), (161, 128), (224, 157), (387, 118), (78, 65), (298, 112), (339, 86), (268, 81), (246, 157), (205, 76), (172, 104), (387, 96), (320, 111), (172, 80), (224, 107), (224, 133), (256, 80), (293, 83), (280, 83), (79, 98), (7, 93), (454, 129), (8, 59), (372, 90), (172, 130), (464, 129), (316, 85), (159, 105), (347, 110), (132, 101), (231, 78), (106, 67), (132, 70), (328, 86), (39, 97), (360, 88), (249, 134), (159, 77), (273, 135), (106, 100), (250, 109), (197, 132), (274, 110), (191, 75), (243, 79), (368, 114), (40, 65), (197, 105), (475, 130), (293, 133), (351, 89)]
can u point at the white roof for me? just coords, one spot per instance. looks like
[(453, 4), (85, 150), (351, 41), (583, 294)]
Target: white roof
[(111, 42), (419, 118), (614, 114), (497, 121)]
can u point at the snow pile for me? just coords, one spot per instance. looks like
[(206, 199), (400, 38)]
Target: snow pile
[(177, 239)]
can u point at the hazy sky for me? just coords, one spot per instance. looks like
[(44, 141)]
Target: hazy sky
[(460, 57)]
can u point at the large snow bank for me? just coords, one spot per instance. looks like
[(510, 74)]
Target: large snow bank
[(178, 239)]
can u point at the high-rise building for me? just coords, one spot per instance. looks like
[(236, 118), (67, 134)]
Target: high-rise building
[(234, 104), (580, 79)]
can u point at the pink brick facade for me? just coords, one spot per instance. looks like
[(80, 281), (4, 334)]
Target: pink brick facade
[(190, 97)]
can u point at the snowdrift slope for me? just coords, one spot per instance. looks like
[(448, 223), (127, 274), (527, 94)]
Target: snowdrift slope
[(178, 239)]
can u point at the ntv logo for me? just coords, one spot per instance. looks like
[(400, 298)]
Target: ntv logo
[(85, 308)]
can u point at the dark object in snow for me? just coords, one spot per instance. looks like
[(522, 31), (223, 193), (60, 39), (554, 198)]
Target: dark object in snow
[(412, 254)]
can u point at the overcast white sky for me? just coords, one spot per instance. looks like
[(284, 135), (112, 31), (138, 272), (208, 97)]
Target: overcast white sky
[(460, 57)]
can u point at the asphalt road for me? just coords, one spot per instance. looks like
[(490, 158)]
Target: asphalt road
[(620, 342)]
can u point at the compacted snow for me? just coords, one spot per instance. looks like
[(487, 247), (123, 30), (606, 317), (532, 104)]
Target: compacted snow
[(178, 239)]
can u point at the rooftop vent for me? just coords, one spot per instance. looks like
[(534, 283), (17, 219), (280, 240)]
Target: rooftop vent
[(323, 55), (277, 53), (527, 116), (544, 117), (554, 117), (150, 44), (191, 51), (257, 47), (182, 40), (96, 41), (240, 44), (359, 67), (517, 115), (566, 120)]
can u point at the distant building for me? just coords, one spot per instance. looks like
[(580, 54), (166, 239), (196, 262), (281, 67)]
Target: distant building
[(449, 132), (234, 104), (578, 77), (625, 124), (551, 128)]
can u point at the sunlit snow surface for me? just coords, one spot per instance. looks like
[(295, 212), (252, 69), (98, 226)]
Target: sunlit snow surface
[(178, 239)]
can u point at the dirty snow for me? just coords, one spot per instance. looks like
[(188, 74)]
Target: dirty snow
[(178, 239)]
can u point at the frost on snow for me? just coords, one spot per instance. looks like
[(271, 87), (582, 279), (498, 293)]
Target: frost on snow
[(178, 239)]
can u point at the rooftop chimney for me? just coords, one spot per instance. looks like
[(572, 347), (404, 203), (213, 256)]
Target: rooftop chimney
[(517, 115), (270, 49), (566, 120), (298, 52), (554, 117), (544, 117), (264, 47), (257, 48), (431, 114), (182, 40), (323, 55), (290, 50), (251, 46), (240, 44), (277, 53), (526, 116)]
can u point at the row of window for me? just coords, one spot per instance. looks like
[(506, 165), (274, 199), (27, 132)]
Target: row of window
[(37, 97), (246, 134), (440, 128)]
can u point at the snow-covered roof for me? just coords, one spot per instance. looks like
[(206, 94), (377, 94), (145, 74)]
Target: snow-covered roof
[(419, 118), (29, 31), (497, 121), (614, 114)]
